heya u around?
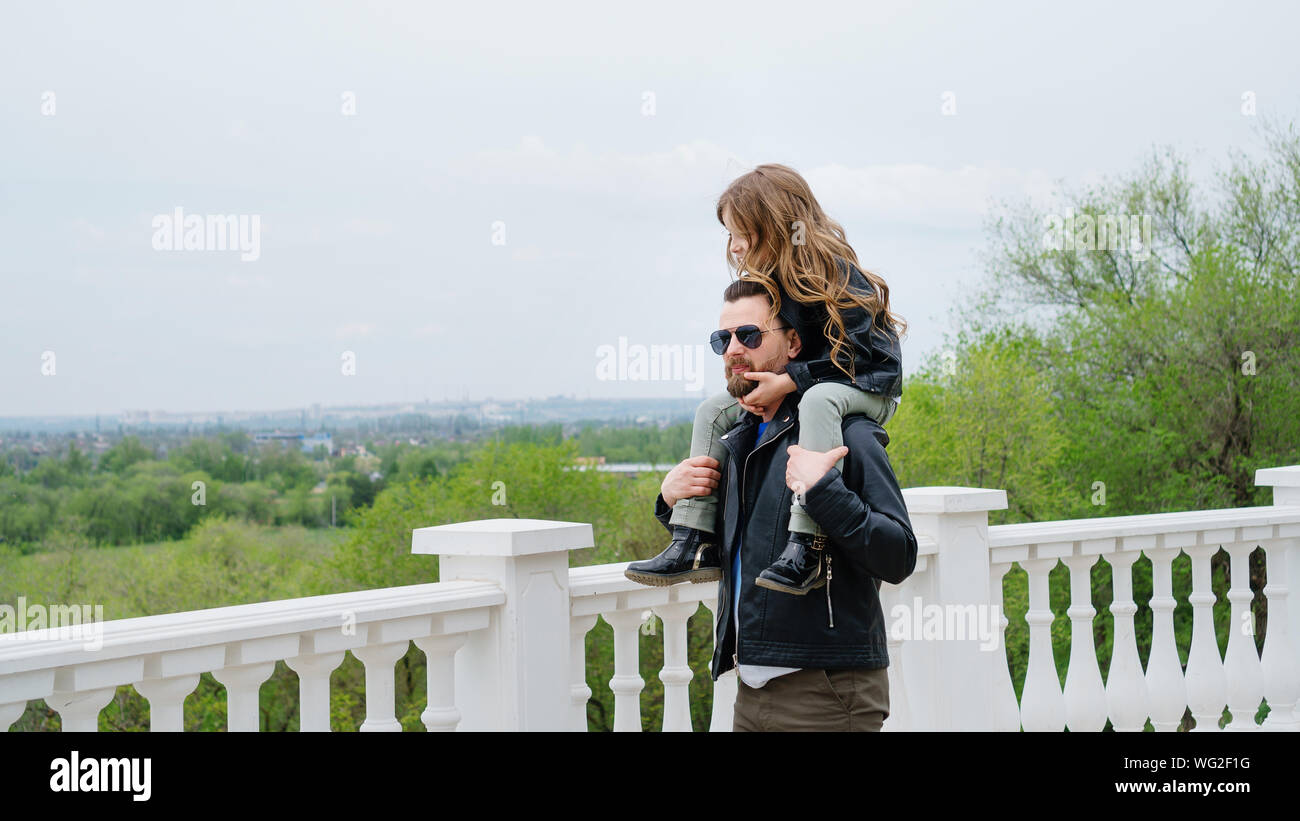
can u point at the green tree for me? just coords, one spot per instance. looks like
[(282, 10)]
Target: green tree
[(124, 454)]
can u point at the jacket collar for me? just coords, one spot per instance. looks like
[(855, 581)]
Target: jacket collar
[(785, 417)]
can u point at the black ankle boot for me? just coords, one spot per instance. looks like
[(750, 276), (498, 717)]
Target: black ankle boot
[(799, 567), (693, 556)]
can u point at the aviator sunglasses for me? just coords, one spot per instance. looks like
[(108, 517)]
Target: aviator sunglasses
[(749, 335)]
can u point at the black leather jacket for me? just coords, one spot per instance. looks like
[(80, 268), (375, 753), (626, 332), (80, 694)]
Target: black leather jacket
[(877, 356), (870, 534)]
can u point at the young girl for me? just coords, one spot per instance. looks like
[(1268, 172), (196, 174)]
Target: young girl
[(850, 363)]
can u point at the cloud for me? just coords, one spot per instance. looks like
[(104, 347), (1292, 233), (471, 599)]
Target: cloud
[(354, 329), (368, 227), (900, 192), (699, 167)]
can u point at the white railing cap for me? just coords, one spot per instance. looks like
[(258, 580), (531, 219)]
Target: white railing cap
[(501, 537), (953, 499), (1288, 476)]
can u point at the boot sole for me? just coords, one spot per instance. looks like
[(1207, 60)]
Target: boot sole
[(692, 576), (782, 588)]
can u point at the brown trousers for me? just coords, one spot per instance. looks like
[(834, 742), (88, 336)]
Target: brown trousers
[(814, 700)]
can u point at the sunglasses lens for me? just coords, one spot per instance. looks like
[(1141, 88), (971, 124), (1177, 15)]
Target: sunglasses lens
[(720, 340), (750, 336)]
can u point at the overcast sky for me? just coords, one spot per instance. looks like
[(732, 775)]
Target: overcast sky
[(473, 198)]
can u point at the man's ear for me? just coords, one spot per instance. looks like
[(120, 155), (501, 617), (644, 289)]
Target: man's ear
[(796, 344)]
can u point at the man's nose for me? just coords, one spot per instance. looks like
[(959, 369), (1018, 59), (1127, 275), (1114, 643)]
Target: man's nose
[(734, 348)]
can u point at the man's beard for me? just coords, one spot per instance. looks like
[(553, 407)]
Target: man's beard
[(737, 385)]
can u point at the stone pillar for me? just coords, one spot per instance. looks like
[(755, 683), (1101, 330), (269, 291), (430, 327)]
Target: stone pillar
[(1285, 482), (515, 674), (954, 684)]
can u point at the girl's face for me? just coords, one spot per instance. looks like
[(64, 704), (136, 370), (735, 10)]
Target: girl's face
[(738, 241)]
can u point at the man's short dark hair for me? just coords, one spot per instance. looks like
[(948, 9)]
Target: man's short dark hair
[(743, 287)]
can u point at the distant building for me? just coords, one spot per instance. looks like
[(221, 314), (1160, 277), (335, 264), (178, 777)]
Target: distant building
[(308, 444)]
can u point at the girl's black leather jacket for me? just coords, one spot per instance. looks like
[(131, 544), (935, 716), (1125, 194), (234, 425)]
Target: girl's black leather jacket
[(877, 356)]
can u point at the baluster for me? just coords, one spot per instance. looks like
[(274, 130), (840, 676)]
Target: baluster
[(79, 710), (380, 698), (1207, 686), (440, 713), (1006, 712), (579, 692), (1166, 685), (676, 674), (1085, 695), (166, 698), (314, 671), (11, 712), (891, 598), (1245, 676), (169, 677), (724, 689), (1126, 690), (1042, 706), (627, 682), (80, 692), (16, 689), (247, 664), (243, 684), (1280, 662)]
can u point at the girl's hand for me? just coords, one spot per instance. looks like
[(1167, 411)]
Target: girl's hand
[(772, 388)]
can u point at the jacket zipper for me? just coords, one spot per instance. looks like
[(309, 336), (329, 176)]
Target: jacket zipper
[(830, 615), (735, 657)]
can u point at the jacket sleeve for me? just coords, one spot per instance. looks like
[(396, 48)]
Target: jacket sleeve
[(663, 512), (869, 521), (876, 357)]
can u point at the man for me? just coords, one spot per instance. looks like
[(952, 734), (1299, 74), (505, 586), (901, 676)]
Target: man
[(805, 662)]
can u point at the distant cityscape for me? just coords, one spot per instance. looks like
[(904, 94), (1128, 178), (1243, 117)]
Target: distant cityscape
[(341, 430)]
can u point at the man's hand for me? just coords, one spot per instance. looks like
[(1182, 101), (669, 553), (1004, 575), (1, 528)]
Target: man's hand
[(696, 476), (805, 468), (772, 388)]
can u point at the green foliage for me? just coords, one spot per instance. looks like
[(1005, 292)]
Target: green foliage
[(123, 455)]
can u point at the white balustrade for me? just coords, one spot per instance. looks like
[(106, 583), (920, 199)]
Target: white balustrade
[(1245, 675), (627, 682), (440, 713), (1280, 661), (1042, 704), (728, 684), (504, 632), (676, 674), (579, 692), (162, 656), (1166, 685), (1126, 689), (1085, 695), (1006, 712), (1207, 685)]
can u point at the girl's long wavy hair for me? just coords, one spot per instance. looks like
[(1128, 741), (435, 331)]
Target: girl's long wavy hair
[(794, 243)]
